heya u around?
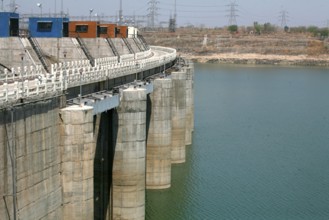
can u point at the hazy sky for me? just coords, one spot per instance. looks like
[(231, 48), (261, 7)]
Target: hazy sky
[(208, 12)]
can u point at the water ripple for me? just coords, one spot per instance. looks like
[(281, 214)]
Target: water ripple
[(260, 148)]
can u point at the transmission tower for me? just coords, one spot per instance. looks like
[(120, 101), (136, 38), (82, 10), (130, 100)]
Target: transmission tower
[(232, 13), (153, 12), (283, 18), (175, 14), (173, 20)]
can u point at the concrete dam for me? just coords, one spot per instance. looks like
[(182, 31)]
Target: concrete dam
[(87, 125)]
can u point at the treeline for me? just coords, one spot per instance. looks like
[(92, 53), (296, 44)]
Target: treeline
[(268, 28), (316, 31)]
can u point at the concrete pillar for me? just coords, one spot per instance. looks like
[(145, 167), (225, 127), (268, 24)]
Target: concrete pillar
[(128, 186), (178, 117), (189, 106), (158, 163), (191, 67), (77, 156)]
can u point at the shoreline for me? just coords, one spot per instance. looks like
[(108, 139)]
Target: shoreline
[(261, 59)]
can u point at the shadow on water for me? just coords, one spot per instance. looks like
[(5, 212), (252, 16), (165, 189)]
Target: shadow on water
[(171, 203)]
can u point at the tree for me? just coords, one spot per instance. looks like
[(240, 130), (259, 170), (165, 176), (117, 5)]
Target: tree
[(313, 29), (300, 29), (269, 28), (257, 27), (232, 28), (324, 32)]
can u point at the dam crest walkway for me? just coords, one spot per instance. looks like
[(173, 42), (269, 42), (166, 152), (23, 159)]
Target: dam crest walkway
[(30, 82)]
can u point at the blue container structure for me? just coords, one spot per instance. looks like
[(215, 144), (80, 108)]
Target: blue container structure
[(48, 27), (9, 24)]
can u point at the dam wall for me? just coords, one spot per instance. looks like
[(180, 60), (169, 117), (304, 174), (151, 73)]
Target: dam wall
[(19, 52), (64, 158), (30, 161), (10, 53)]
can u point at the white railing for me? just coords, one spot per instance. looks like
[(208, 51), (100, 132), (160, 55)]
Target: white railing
[(32, 82)]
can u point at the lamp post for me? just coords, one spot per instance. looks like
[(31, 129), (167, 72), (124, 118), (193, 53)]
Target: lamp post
[(62, 8), (21, 73), (90, 11), (80, 95), (138, 67), (65, 84), (40, 6)]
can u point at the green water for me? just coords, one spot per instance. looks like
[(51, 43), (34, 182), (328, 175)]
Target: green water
[(260, 147)]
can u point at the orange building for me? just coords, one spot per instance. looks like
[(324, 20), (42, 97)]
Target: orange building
[(83, 29), (106, 30), (121, 32)]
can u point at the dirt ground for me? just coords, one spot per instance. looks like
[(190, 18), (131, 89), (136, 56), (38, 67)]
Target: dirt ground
[(212, 45)]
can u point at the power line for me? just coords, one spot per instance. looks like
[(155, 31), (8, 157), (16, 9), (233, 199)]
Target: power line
[(194, 6), (193, 11)]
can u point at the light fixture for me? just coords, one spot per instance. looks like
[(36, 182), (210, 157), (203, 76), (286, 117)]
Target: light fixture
[(40, 6), (90, 11)]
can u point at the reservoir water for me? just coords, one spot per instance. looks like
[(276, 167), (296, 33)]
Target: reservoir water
[(260, 147)]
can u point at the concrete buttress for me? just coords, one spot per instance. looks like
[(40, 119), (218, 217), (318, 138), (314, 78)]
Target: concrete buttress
[(189, 105), (128, 183), (178, 117), (77, 156), (158, 163)]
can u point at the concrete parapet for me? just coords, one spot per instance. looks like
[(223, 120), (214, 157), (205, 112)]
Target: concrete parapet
[(128, 187), (158, 156), (178, 116), (77, 157)]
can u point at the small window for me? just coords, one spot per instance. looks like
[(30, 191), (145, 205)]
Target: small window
[(45, 26), (103, 30), (81, 29)]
